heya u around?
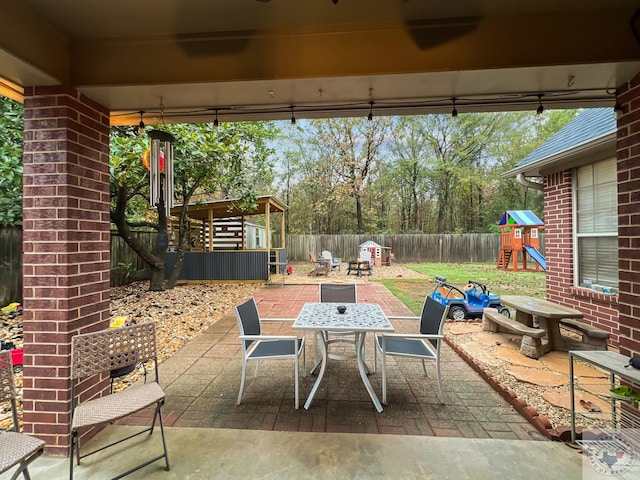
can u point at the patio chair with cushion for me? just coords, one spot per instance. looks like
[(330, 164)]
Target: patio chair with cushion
[(15, 448), (339, 293), (334, 263), (425, 345), (99, 353), (256, 346)]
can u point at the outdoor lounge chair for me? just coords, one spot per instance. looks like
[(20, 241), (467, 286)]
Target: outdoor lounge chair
[(102, 352), (342, 293), (425, 345), (320, 267), (334, 263), (256, 346), (15, 448)]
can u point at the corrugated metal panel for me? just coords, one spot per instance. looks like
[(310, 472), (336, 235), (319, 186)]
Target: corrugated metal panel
[(220, 265)]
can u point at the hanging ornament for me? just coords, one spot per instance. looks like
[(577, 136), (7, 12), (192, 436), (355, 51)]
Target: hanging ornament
[(145, 159)]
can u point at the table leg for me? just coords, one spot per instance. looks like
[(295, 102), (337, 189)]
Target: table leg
[(323, 366), (362, 367), (554, 337), (524, 318)]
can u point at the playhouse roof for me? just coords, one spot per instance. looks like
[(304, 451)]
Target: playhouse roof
[(520, 218), (370, 243)]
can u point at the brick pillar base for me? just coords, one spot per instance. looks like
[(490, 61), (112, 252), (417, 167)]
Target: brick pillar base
[(66, 247)]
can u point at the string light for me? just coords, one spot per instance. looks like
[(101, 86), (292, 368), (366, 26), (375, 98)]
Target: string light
[(370, 116), (215, 121), (293, 118), (454, 112), (617, 110), (540, 107), (141, 130)]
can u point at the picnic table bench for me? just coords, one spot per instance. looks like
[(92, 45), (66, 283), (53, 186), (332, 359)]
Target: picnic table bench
[(592, 336), (531, 344)]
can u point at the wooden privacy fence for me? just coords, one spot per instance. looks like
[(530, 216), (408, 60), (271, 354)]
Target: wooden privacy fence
[(462, 248), (11, 265)]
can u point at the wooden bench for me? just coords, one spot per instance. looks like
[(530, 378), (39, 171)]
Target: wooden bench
[(531, 345), (592, 336)]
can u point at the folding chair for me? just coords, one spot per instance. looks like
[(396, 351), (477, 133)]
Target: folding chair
[(102, 352), (425, 345), (256, 346), (15, 448)]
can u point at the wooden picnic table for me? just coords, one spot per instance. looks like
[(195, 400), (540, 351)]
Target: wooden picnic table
[(547, 315)]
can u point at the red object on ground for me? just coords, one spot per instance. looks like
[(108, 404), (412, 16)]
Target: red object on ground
[(289, 269), (17, 356)]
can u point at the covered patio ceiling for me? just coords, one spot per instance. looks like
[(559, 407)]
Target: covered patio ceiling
[(190, 60)]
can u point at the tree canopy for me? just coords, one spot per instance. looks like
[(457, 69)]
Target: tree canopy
[(11, 127), (410, 174), (232, 161)]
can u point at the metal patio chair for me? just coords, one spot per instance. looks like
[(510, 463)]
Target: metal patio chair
[(425, 345), (256, 346), (339, 293), (15, 448), (100, 353)]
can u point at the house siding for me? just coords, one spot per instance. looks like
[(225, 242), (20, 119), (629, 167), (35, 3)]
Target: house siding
[(599, 310), (628, 154)]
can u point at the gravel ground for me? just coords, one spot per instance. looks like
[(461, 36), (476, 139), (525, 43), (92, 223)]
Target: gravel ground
[(186, 311)]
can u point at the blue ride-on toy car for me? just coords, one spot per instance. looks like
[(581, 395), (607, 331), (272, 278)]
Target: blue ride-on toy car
[(467, 303)]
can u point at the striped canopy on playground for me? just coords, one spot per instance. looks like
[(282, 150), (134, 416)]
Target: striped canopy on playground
[(520, 218)]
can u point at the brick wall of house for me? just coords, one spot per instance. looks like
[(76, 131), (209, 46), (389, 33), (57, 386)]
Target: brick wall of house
[(66, 247), (599, 310), (628, 147)]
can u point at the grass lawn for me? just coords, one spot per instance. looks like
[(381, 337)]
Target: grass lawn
[(413, 291)]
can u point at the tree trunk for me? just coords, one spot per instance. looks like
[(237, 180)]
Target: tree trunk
[(359, 215), (119, 219), (162, 242)]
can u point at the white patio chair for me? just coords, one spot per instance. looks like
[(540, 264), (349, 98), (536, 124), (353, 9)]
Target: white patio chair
[(424, 345), (256, 346), (334, 263), (15, 448), (101, 353)]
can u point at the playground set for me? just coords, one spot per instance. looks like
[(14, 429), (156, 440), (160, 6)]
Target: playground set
[(520, 235)]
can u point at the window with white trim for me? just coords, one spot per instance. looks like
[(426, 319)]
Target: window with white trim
[(596, 225)]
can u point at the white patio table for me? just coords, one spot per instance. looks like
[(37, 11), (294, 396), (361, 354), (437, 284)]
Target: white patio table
[(358, 317)]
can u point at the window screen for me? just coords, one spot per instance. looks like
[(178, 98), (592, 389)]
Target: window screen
[(596, 213)]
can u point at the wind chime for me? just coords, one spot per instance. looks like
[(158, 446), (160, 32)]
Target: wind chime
[(158, 159), (161, 170)]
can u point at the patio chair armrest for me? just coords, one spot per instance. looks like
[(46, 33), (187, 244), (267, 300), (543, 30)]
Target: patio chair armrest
[(277, 319), (415, 336), (293, 338), (394, 317)]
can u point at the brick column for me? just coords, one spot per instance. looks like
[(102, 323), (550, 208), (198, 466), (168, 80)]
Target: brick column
[(66, 247), (558, 235), (628, 146)]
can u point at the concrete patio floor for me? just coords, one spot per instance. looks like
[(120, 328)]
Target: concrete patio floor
[(475, 434)]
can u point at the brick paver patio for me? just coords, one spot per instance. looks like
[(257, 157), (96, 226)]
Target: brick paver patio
[(202, 381)]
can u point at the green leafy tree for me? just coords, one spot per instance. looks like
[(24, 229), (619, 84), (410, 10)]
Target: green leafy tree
[(231, 161), (11, 127)]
